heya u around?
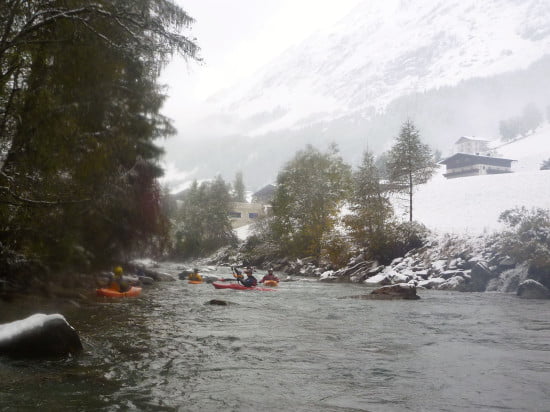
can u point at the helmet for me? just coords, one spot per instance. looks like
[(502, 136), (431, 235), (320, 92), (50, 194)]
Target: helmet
[(248, 270), (195, 270), (270, 270), (118, 271)]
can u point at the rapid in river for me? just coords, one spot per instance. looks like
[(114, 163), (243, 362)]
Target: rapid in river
[(305, 347)]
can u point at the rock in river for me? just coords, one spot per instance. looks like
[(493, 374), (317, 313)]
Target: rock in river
[(399, 291), (531, 289), (39, 335)]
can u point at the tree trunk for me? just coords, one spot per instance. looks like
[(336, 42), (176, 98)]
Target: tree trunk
[(410, 197)]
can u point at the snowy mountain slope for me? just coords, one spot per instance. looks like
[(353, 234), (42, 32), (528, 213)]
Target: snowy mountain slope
[(384, 50), (473, 204), (529, 151)]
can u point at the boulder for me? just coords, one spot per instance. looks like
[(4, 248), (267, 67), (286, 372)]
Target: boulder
[(39, 336), (480, 274), (431, 283), (454, 283), (531, 289), (218, 302), (398, 291), (146, 280), (329, 276)]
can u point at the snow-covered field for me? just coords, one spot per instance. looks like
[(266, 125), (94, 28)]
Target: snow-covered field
[(473, 204)]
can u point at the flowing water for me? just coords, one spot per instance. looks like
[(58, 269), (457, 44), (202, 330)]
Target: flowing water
[(305, 347)]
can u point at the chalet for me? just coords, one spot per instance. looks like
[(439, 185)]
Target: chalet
[(471, 146), (464, 164), (243, 213)]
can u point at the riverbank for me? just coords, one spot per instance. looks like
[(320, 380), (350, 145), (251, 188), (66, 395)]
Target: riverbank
[(446, 262)]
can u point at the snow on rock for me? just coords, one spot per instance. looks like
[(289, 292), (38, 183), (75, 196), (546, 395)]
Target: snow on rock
[(380, 279), (431, 283), (531, 289), (39, 335)]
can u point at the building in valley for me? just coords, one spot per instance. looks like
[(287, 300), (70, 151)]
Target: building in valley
[(471, 146), (243, 213), (465, 164)]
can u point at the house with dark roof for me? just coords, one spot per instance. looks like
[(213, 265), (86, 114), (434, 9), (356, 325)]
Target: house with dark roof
[(265, 194), (465, 164)]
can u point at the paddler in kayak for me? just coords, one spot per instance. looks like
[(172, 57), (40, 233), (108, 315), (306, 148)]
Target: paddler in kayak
[(195, 276), (250, 280), (269, 276), (117, 281)]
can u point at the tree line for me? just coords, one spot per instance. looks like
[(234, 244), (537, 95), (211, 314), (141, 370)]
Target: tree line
[(325, 210), (79, 114)]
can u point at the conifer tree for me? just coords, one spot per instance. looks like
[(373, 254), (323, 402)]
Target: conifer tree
[(239, 188), (410, 163), (79, 114)]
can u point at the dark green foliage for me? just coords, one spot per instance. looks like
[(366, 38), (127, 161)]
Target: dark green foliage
[(238, 188), (381, 163), (79, 112), (528, 240), (370, 208), (310, 191), (410, 163), (203, 221), (397, 240)]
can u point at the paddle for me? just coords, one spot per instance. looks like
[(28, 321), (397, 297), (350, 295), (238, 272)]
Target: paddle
[(236, 274)]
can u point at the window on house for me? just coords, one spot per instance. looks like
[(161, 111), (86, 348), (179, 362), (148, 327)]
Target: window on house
[(252, 215), (235, 214)]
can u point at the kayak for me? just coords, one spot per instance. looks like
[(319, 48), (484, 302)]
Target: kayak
[(272, 283), (195, 282), (111, 293), (238, 286)]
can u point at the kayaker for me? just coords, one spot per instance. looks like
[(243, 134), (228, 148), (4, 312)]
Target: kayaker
[(250, 280), (195, 276), (117, 281), (269, 276)]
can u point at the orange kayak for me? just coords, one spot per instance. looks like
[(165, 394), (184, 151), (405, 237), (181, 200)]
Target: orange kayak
[(195, 282), (271, 283), (111, 293)]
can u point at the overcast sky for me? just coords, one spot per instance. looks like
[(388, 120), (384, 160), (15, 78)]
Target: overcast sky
[(237, 37)]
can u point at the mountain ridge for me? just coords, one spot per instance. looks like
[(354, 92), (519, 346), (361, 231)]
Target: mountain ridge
[(415, 47)]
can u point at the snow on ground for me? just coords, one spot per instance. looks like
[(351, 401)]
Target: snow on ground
[(529, 151), (243, 232), (473, 204)]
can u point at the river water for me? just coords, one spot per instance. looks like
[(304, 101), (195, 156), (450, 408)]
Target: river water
[(305, 347)]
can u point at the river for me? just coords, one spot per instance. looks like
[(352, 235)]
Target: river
[(305, 347)]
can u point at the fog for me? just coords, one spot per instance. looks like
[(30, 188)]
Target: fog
[(468, 67)]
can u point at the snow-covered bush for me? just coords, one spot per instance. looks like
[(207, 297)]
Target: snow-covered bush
[(528, 240)]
